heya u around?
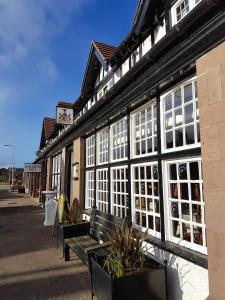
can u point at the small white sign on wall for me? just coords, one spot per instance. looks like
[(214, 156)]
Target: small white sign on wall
[(32, 168), (64, 116)]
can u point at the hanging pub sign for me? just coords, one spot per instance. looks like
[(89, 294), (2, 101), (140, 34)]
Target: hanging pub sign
[(64, 115), (32, 168)]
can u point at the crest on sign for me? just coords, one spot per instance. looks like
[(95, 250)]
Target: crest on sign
[(64, 116)]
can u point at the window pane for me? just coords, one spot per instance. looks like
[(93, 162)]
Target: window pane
[(145, 134), (181, 121), (145, 195), (186, 205)]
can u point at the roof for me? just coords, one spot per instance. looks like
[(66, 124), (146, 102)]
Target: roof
[(106, 51), (100, 54), (65, 104), (49, 126), (148, 15)]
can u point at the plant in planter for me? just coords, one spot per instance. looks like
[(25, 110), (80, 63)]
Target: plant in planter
[(71, 220), (122, 271)]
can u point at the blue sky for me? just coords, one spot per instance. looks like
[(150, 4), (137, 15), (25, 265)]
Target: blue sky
[(44, 45)]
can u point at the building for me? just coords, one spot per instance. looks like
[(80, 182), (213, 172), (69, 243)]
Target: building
[(148, 133)]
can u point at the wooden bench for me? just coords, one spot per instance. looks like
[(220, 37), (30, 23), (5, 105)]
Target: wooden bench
[(91, 235)]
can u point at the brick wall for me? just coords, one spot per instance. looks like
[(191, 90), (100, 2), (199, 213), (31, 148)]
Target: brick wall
[(211, 87)]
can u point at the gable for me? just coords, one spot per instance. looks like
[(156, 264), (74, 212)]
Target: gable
[(48, 128), (99, 57)]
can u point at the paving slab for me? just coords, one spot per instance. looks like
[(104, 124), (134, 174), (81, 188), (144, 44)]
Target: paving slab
[(31, 265)]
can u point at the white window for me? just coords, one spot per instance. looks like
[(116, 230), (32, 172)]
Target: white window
[(181, 8), (90, 189), (90, 151), (56, 173), (184, 205), (180, 118), (118, 132), (145, 197), (102, 190), (119, 180), (102, 146), (144, 131)]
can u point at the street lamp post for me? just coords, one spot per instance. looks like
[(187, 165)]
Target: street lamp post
[(13, 161)]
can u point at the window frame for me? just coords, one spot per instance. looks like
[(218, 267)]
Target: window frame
[(57, 172), (88, 157), (162, 120), (151, 103), (111, 141), (87, 190), (98, 146), (133, 210), (191, 3), (102, 191), (112, 192), (167, 210)]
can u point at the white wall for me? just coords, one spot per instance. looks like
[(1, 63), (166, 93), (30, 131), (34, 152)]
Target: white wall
[(146, 45), (125, 67), (185, 280), (160, 32)]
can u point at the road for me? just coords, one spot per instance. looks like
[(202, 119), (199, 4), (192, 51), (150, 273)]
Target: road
[(31, 266)]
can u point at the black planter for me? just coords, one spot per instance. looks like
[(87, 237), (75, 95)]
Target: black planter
[(147, 285)]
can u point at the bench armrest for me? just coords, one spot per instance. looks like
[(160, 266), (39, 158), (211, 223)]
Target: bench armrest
[(74, 230)]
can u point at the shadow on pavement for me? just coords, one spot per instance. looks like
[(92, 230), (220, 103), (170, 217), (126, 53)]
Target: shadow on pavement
[(47, 288)]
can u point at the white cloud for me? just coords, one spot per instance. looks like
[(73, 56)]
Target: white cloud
[(28, 26), (48, 67)]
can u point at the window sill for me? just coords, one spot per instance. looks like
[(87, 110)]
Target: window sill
[(187, 254)]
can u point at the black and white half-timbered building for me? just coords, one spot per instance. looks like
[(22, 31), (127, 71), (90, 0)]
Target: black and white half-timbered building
[(142, 142)]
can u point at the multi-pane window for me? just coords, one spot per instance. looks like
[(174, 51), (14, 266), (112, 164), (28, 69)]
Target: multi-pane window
[(102, 200), (102, 146), (90, 189), (145, 197), (118, 132), (185, 203), (56, 173), (144, 131), (90, 151), (119, 180), (182, 9), (181, 117)]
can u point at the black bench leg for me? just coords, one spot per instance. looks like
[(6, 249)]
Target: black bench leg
[(66, 252)]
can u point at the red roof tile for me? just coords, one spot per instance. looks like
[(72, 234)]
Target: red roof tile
[(65, 104), (105, 50), (49, 126)]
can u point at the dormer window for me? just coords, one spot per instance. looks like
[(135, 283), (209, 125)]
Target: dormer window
[(181, 9)]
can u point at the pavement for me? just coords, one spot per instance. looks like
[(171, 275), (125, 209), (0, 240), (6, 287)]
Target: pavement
[(31, 265)]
